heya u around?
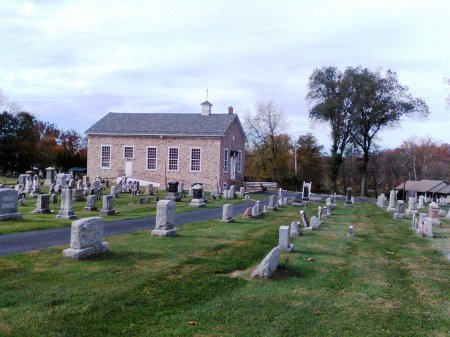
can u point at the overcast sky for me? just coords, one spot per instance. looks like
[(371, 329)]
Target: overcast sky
[(71, 62)]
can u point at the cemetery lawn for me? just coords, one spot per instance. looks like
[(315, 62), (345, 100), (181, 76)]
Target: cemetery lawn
[(127, 205), (384, 281)]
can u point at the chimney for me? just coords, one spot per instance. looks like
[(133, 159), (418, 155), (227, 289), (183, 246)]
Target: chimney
[(230, 110), (206, 108)]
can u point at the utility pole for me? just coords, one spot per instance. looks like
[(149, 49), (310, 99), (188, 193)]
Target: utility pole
[(295, 165)]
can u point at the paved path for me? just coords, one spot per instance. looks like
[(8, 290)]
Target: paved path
[(28, 241)]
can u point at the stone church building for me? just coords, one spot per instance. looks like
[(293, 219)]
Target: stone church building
[(158, 147)]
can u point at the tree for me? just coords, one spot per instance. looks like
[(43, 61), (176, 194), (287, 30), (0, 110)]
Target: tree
[(310, 160), (328, 95), (377, 102), (270, 148), (18, 138)]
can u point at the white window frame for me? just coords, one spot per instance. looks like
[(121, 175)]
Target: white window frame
[(200, 159), (239, 162), (101, 156), (147, 158), (178, 159), (226, 160), (128, 146)]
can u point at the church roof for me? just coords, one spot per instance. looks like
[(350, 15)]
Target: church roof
[(156, 124)]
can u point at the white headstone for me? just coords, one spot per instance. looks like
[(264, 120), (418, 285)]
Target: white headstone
[(227, 213), (43, 204), (66, 210), (90, 203), (165, 219), (107, 208), (268, 265), (86, 238), (295, 228), (284, 238)]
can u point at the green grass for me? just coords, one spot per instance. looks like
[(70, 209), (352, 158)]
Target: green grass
[(384, 281), (127, 205)]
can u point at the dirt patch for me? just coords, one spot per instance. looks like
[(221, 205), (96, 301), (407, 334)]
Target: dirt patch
[(237, 273)]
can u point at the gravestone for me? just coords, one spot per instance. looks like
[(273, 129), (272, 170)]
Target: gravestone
[(149, 189), (268, 265), (255, 212), (427, 228), (50, 176), (399, 214), (392, 207), (165, 219), (414, 222), (90, 203), (181, 189), (298, 200), (421, 223), (314, 222), (350, 231), (86, 238), (19, 188), (242, 191), (96, 185), (304, 219), (72, 183), (265, 209), (215, 189), (197, 198), (319, 213), (227, 213), (54, 198), (258, 206), (172, 191), (107, 207), (295, 228), (306, 191), (421, 201), (43, 204), (78, 195), (412, 206), (247, 213), (23, 179), (272, 203), (433, 214), (348, 199), (232, 191), (80, 185), (284, 238), (28, 183), (57, 188), (114, 191), (247, 197), (9, 202), (66, 210)]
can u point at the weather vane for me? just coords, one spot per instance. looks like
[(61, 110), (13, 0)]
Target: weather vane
[(207, 91)]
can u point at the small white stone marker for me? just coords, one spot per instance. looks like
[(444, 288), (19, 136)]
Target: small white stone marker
[(350, 231), (227, 213), (284, 239), (295, 228)]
